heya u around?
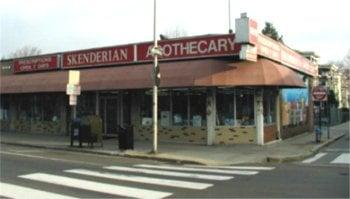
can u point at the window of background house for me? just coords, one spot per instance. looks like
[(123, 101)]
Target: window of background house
[(198, 108), (225, 107), (269, 101), (180, 117), (245, 106)]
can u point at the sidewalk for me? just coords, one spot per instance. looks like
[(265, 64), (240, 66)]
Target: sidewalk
[(294, 148)]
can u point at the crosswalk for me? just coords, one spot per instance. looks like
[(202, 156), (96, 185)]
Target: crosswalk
[(323, 157), (128, 181)]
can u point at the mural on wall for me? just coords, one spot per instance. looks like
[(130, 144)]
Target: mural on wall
[(295, 102)]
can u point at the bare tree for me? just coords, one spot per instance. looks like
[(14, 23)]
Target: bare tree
[(346, 60), (344, 63), (174, 33), (25, 52)]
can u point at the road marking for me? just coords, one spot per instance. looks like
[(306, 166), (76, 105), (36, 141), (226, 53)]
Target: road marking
[(51, 159), (15, 191), (337, 150), (233, 167), (313, 159), (146, 180), (344, 158), (170, 173), (96, 186), (237, 172)]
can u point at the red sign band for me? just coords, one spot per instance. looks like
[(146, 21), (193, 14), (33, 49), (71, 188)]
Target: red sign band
[(36, 64)]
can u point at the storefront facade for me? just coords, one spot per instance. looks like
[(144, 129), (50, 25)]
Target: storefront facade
[(215, 89)]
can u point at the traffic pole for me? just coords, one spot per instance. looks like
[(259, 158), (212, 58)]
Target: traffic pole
[(328, 120), (155, 87)]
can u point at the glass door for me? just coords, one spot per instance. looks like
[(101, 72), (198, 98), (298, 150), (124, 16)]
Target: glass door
[(109, 113)]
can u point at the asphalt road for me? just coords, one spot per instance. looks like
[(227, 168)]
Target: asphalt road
[(27, 170)]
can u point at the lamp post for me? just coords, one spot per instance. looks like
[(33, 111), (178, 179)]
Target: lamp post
[(156, 51)]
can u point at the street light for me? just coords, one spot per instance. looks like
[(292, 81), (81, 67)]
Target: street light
[(156, 51)]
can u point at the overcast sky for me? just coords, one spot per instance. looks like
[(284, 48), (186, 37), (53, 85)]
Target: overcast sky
[(60, 25)]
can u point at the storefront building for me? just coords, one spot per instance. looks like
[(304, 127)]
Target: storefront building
[(215, 89)]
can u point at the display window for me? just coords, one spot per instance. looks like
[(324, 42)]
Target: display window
[(269, 107), (235, 107)]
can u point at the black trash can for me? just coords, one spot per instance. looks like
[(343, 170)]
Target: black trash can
[(85, 133), (130, 137), (75, 131), (122, 138), (126, 138)]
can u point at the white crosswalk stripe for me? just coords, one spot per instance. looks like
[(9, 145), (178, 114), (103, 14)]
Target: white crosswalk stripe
[(15, 191), (165, 172), (146, 180), (96, 186), (344, 158), (314, 158), (237, 172), (170, 173), (234, 167)]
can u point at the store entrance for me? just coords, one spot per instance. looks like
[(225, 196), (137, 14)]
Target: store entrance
[(110, 113)]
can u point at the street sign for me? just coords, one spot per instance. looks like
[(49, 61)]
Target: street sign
[(73, 89), (74, 77), (319, 93), (73, 100)]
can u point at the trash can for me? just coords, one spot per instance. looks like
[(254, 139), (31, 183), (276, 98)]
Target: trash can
[(126, 138), (122, 138), (85, 133), (130, 137), (75, 131)]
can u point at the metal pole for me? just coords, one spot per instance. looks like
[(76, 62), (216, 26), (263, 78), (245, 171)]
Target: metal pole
[(74, 112), (319, 117), (73, 117), (328, 120), (229, 16), (155, 89)]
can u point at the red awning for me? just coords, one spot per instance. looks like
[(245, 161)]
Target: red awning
[(190, 73)]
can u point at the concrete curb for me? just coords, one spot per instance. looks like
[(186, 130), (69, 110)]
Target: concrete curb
[(313, 151), (166, 159), (121, 154)]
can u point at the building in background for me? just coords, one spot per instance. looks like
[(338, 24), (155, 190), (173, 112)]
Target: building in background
[(215, 89), (334, 79), (345, 87)]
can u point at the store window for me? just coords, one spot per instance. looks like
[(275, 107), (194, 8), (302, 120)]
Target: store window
[(180, 107), (86, 104), (269, 101), (197, 108), (146, 108), (177, 107), (164, 114), (4, 108), (245, 107), (127, 107), (24, 108), (225, 107), (51, 107)]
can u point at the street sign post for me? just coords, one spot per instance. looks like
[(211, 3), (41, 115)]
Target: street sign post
[(73, 90), (320, 94)]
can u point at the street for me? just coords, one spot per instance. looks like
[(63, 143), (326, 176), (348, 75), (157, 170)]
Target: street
[(42, 173)]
